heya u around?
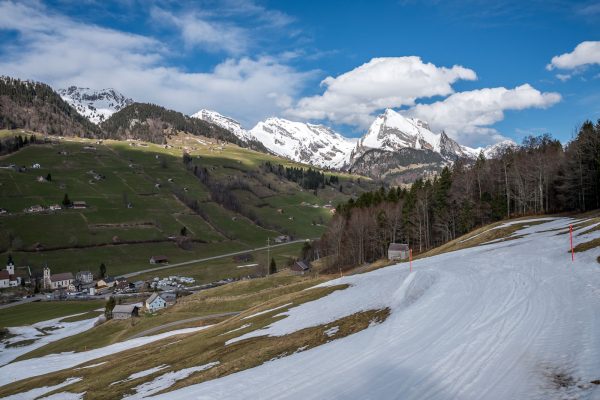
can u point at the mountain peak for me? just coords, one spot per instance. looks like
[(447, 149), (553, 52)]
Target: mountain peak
[(95, 105)]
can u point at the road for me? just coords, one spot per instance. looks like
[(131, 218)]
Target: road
[(22, 301), (183, 321), (144, 271)]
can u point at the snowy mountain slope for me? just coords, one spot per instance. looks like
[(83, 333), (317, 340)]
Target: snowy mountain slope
[(95, 105), (307, 143), (391, 131), (224, 122), (490, 151), (513, 319)]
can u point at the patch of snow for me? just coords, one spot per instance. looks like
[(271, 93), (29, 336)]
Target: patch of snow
[(56, 362), (167, 380), (59, 331), (267, 311), (141, 374), (481, 322), (93, 365), (331, 331), (236, 329), (247, 265), (37, 392)]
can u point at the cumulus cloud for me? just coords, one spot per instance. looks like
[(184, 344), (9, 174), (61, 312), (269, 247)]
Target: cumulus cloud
[(586, 53), (468, 116), (60, 51), (352, 98)]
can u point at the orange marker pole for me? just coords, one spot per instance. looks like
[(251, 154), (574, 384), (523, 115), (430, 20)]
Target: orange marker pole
[(410, 257), (571, 237)]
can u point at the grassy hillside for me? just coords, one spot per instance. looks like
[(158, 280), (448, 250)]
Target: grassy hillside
[(130, 189)]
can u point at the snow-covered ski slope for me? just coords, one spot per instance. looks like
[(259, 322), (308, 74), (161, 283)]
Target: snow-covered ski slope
[(507, 320)]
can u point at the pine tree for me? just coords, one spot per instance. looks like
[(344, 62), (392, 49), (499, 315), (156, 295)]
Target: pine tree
[(110, 304), (272, 267), (66, 201), (102, 270)]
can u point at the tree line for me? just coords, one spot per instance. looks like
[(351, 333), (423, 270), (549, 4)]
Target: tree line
[(310, 179), (540, 176), (10, 144)]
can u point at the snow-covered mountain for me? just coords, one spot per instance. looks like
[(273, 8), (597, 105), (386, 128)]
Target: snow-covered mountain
[(95, 105), (312, 144), (392, 132), (224, 122), (395, 148)]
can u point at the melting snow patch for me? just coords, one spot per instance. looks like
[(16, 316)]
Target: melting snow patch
[(37, 392), (236, 329), (55, 362), (267, 311), (65, 396), (247, 265), (93, 365), (331, 331), (167, 380)]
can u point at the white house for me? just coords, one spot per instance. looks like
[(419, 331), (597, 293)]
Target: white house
[(155, 302), (4, 279)]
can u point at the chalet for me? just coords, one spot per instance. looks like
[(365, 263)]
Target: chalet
[(169, 297), (79, 204), (139, 285), (155, 302), (54, 207), (398, 251), (107, 281), (4, 279), (57, 281), (36, 166), (300, 267), (159, 260), (34, 209), (282, 239), (84, 277), (125, 311)]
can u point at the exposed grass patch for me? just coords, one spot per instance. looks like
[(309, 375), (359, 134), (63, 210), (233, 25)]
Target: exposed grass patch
[(237, 296), (30, 313), (205, 347), (21, 343), (481, 236), (587, 245)]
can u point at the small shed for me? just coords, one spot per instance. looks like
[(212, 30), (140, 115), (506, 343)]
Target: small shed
[(125, 311), (398, 251), (159, 260), (79, 205), (300, 267)]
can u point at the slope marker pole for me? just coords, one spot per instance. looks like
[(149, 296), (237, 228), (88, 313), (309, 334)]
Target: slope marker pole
[(571, 237), (410, 257)]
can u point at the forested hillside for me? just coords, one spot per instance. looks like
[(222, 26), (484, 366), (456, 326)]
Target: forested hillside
[(153, 123), (37, 107), (538, 177)]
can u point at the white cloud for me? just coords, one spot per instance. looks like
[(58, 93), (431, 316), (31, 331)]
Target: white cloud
[(199, 31), (467, 116), (351, 98), (57, 50), (585, 53), (564, 77)]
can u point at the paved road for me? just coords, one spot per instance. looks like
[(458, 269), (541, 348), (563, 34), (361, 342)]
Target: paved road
[(22, 301), (183, 321), (129, 275)]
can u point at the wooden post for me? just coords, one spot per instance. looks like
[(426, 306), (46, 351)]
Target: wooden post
[(571, 237), (410, 257)]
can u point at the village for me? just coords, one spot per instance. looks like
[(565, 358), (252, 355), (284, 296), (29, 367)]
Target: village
[(20, 285)]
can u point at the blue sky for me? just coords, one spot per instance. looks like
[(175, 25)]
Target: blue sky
[(480, 70)]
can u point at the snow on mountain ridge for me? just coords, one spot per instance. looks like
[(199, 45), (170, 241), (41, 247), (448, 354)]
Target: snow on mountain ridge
[(303, 142), (95, 105), (224, 122)]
